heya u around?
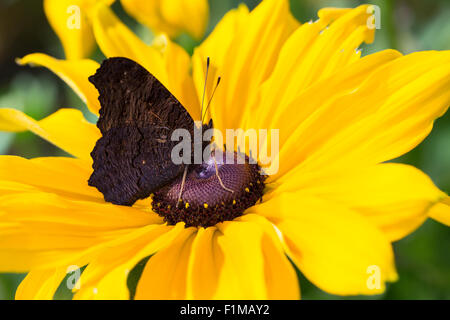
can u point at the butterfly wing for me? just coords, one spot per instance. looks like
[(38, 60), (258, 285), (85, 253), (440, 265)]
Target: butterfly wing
[(137, 118)]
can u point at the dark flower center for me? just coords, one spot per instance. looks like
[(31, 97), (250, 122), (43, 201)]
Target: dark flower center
[(204, 201)]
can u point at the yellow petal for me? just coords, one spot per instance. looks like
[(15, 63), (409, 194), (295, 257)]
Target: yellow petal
[(313, 52), (217, 43), (62, 176), (171, 17), (205, 264), (388, 115), (69, 20), (117, 40), (242, 259), (249, 60), (280, 277), (441, 211), (40, 284), (242, 275), (43, 230), (164, 276), (75, 73), (66, 129), (334, 247), (149, 13), (216, 47), (191, 16), (178, 65), (394, 197), (106, 275), (288, 117)]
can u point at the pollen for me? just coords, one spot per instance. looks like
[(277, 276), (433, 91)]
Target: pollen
[(187, 205), (205, 206)]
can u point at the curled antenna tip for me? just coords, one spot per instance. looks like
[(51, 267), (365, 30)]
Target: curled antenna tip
[(207, 61), (218, 80)]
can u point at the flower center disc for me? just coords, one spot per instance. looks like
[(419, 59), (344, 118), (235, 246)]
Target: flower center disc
[(204, 201)]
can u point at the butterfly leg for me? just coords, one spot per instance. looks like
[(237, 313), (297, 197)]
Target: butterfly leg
[(182, 185), (218, 177)]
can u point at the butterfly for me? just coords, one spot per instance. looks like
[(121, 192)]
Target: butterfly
[(138, 115)]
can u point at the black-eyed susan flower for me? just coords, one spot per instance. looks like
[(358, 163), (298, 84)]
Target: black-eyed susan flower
[(72, 24), (332, 209)]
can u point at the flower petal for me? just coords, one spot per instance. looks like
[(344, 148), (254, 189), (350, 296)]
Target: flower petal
[(149, 13), (243, 275), (242, 259), (237, 260), (204, 265), (216, 47), (394, 197), (164, 276), (106, 275), (66, 129), (314, 52), (334, 247), (249, 60), (441, 211), (69, 20), (289, 117), (40, 284), (74, 72), (66, 177), (389, 114), (218, 42), (117, 40), (180, 82), (41, 230), (191, 16), (171, 17), (280, 277)]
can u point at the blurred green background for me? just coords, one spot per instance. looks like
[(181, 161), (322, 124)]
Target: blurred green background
[(423, 258)]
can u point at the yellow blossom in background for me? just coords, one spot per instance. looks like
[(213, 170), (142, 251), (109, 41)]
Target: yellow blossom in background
[(69, 19), (334, 207), (171, 17)]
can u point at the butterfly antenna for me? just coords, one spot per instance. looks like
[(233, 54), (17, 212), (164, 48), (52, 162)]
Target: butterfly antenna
[(204, 87), (210, 99)]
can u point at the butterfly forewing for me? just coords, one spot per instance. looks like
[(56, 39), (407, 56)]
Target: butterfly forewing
[(137, 118)]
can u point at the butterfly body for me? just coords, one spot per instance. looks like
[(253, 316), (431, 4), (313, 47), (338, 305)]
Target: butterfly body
[(138, 115)]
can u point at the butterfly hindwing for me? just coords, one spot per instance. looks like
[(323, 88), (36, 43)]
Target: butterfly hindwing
[(137, 118)]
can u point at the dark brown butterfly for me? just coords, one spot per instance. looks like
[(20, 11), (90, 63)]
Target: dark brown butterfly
[(138, 115)]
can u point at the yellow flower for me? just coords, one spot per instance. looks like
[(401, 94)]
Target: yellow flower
[(171, 17), (333, 208), (71, 21)]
